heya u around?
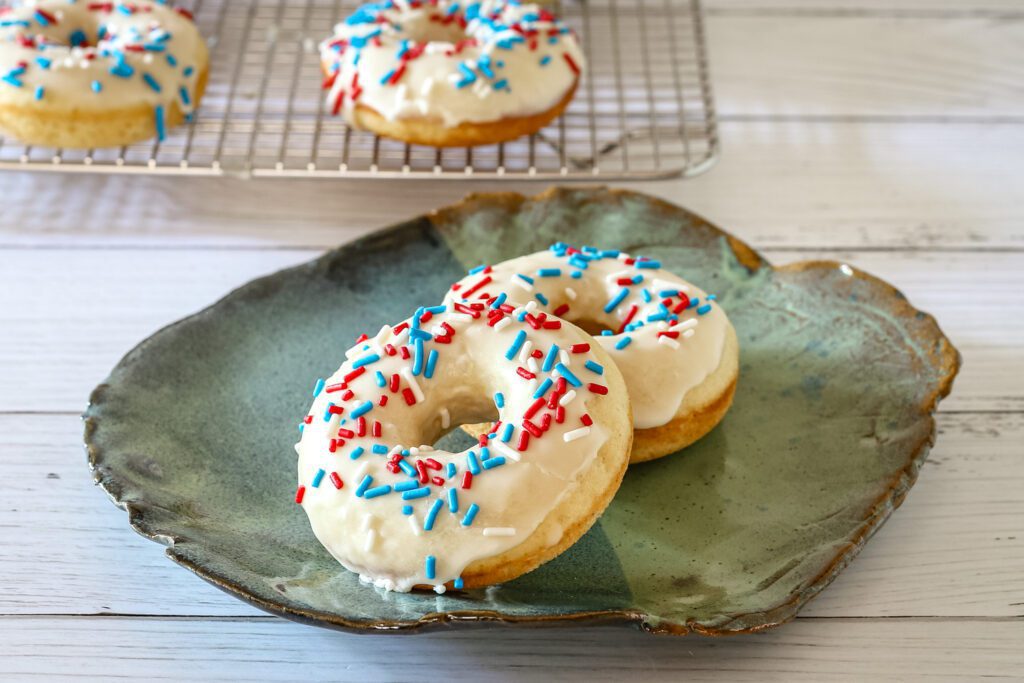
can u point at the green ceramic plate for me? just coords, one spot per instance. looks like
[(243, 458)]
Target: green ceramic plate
[(192, 433)]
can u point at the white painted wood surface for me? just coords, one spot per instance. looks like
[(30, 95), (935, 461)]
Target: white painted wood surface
[(890, 135)]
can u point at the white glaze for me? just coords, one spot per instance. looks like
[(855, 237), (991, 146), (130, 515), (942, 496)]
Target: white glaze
[(659, 370), (67, 82), (429, 87), (373, 537)]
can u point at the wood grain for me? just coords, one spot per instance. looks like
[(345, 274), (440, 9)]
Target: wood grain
[(272, 650)]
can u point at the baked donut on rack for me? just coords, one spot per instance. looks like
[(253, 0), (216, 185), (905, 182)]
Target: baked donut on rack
[(451, 72), (403, 515), (674, 345), (97, 74)]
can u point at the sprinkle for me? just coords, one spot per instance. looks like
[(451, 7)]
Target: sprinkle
[(449, 470), (406, 485), (472, 464), (543, 388), (499, 400), (407, 509), (429, 566), (586, 420), (96, 86), (446, 418), (470, 515), (496, 461), (646, 263), (188, 71), (597, 388), (668, 341), (499, 531), (549, 359), (318, 387), (567, 399), (379, 449), (431, 362), (506, 434), (453, 500), (516, 344), (362, 409), (363, 485), (549, 272), (568, 375), (616, 300), (300, 493), (354, 455), (377, 491), (413, 384), (467, 480), (576, 434), (623, 343), (701, 310), (545, 60), (161, 125), (40, 91), (366, 360), (319, 477), (458, 583), (499, 300), (594, 367), (428, 521), (579, 348), (408, 469), (413, 494)]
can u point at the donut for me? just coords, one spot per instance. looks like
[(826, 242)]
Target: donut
[(673, 343), (451, 73), (97, 74), (403, 515)]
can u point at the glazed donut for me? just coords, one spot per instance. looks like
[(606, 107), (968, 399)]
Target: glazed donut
[(97, 74), (402, 515), (451, 72), (674, 345)]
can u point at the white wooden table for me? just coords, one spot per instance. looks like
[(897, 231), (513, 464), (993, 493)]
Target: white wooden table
[(890, 136)]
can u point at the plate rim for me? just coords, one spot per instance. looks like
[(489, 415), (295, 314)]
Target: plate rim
[(877, 513)]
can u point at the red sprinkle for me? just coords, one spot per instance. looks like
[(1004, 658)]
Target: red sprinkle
[(376, 427), (598, 388), (405, 353), (347, 395), (484, 281), (524, 373), (300, 493), (383, 400), (431, 463), (355, 373), (674, 334), (467, 480), (571, 63), (534, 407), (334, 446), (336, 480), (585, 419), (335, 410), (361, 426), (437, 481), (532, 429), (422, 469), (335, 387), (561, 310), (579, 348), (524, 441), (559, 414), (393, 384), (308, 419), (410, 398), (629, 316)]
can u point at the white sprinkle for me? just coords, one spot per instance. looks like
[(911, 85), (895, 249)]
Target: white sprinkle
[(427, 86), (69, 62), (147, 58), (426, 448), (688, 334), (564, 356), (522, 283), (440, 589), (363, 469), (416, 530), (531, 365), (616, 275), (622, 256), (524, 353), (395, 451), (567, 399), (437, 331), (446, 420), (571, 293), (413, 384), (687, 324), (414, 450), (505, 449), (383, 334), (461, 317), (576, 434), (530, 306), (366, 524), (371, 540), (401, 93), (503, 323), (668, 341), (499, 531)]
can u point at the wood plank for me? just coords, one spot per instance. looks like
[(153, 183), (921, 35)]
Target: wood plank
[(778, 185), (954, 548), (69, 315), (935, 8), (273, 650)]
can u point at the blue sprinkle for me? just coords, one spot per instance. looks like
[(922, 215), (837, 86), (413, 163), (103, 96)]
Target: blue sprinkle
[(499, 400), (623, 343), (407, 509), (549, 360), (668, 292), (417, 334), (377, 491), (711, 297), (549, 272), (450, 470), (359, 450), (545, 60), (506, 433), (417, 357), (40, 91), (543, 388), (318, 387), (606, 333), (77, 39), (408, 469), (379, 449), (470, 514), (428, 521), (501, 85), (516, 344), (499, 300), (96, 86), (12, 80), (648, 264), (701, 310), (453, 500), (406, 485), (553, 40), (576, 275), (474, 271), (525, 278), (646, 295), (436, 309), (188, 71), (496, 461), (43, 62), (387, 77), (431, 362), (363, 485), (122, 70), (458, 583), (362, 409), (595, 368), (302, 427), (319, 477), (541, 298), (485, 453), (616, 300), (381, 380), (327, 412), (430, 566), (366, 360), (171, 60), (567, 374), (161, 125), (413, 494), (151, 82), (472, 464)]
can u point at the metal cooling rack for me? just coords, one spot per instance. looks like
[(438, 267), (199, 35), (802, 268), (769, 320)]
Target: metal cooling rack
[(643, 110)]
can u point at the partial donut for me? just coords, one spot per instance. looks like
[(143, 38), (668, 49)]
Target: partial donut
[(402, 515), (449, 73), (97, 74), (673, 343)]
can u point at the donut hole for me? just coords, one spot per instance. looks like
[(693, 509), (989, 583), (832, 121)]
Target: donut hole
[(593, 327), (430, 28)]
